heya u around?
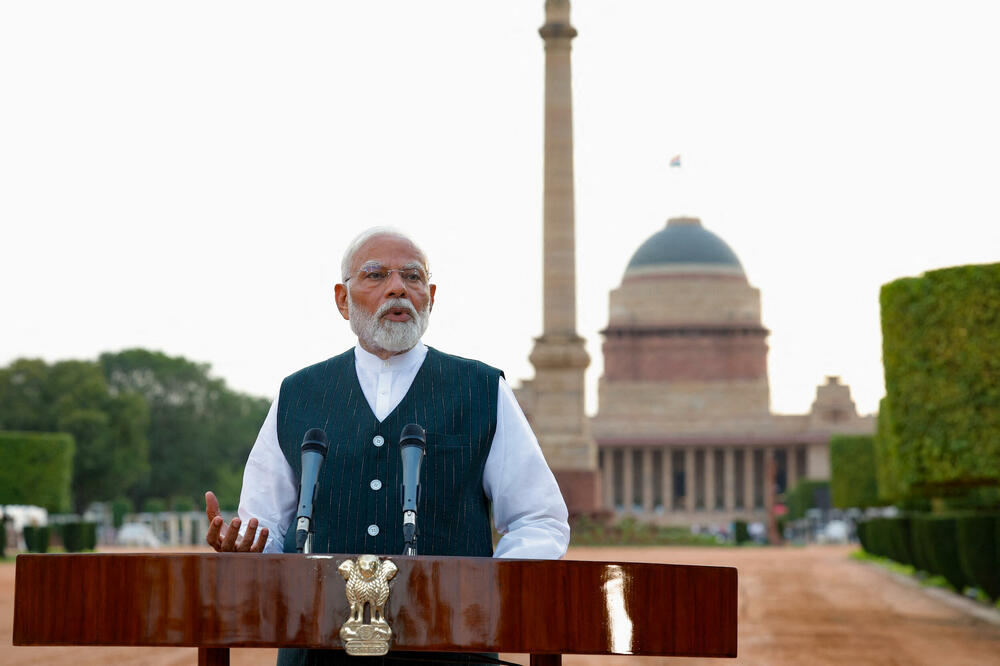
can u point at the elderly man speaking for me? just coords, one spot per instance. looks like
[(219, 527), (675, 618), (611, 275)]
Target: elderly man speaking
[(480, 450)]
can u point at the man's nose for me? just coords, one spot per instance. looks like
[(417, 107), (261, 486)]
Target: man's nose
[(395, 285)]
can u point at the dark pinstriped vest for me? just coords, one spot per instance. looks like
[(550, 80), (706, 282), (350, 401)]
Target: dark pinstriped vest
[(453, 398)]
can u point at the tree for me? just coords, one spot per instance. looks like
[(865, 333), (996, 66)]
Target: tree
[(73, 397), (200, 431)]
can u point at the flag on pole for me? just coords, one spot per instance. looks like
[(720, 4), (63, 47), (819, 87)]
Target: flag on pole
[(675, 161)]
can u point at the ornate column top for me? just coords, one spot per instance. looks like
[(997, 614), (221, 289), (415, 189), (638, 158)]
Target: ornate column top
[(557, 21)]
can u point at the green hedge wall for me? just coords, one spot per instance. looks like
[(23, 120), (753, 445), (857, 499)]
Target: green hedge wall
[(805, 495), (886, 444), (36, 468), (852, 471), (940, 547), (941, 352), (979, 551)]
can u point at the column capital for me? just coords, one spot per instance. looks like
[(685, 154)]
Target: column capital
[(553, 31)]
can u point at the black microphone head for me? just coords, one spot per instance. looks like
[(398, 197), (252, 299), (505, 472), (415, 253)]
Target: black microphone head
[(315, 440), (412, 435)]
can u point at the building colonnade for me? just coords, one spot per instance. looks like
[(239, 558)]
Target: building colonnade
[(695, 483)]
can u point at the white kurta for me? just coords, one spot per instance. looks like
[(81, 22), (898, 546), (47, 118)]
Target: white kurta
[(528, 509)]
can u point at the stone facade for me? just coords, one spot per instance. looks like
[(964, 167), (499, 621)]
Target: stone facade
[(684, 428)]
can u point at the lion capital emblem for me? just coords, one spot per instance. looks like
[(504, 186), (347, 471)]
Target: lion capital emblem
[(367, 583)]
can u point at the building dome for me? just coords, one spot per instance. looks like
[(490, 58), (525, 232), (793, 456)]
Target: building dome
[(684, 246)]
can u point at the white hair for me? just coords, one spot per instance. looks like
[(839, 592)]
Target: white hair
[(367, 235)]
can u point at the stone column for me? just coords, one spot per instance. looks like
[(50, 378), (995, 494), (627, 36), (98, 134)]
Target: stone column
[(748, 480), (627, 488), (729, 479), (689, 485), (709, 479), (559, 356), (647, 481)]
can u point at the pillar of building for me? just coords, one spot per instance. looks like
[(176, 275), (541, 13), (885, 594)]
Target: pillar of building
[(608, 479), (709, 479), (559, 356)]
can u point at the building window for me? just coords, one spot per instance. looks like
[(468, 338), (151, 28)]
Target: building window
[(800, 462), (658, 480), (680, 488), (699, 479), (758, 478), (637, 470), (780, 471)]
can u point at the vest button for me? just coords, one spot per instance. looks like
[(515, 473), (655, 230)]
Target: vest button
[(375, 484), (373, 530), (378, 440)]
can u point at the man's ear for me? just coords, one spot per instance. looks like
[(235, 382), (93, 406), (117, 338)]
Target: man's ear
[(340, 295), (433, 289)]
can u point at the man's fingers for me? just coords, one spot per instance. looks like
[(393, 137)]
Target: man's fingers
[(261, 541), (214, 530), (246, 541), (233, 531), (211, 505)]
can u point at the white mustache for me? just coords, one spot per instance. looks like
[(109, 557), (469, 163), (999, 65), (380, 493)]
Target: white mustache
[(396, 304)]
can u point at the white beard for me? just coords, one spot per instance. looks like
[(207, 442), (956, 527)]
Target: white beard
[(393, 336)]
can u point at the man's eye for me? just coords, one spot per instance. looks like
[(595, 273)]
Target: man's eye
[(377, 276), (412, 276)]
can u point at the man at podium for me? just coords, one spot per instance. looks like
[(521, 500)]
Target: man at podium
[(480, 451)]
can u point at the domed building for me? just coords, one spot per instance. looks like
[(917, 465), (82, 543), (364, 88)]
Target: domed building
[(684, 427)]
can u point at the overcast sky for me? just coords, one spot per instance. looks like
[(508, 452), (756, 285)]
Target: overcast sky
[(184, 176)]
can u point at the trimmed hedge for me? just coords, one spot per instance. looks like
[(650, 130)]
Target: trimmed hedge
[(807, 494), (79, 536), (940, 547), (886, 445), (852, 471), (36, 468), (36, 539), (941, 352), (979, 552)]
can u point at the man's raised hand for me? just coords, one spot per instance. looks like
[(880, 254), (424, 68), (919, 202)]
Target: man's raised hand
[(227, 539)]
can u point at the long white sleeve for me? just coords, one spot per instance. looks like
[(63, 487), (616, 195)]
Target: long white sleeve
[(528, 508), (270, 489)]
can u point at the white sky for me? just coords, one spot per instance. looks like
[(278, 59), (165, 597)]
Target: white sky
[(184, 176)]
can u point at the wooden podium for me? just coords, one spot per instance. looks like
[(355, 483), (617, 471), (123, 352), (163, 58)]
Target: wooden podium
[(446, 604)]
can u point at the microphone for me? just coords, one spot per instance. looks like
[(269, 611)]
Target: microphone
[(412, 444), (314, 446)]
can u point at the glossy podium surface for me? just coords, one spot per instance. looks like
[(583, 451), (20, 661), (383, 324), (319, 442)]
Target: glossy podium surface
[(459, 604)]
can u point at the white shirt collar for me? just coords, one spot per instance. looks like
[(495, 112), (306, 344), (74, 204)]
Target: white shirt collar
[(369, 362)]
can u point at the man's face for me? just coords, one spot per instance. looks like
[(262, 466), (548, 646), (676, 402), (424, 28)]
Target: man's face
[(390, 315)]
